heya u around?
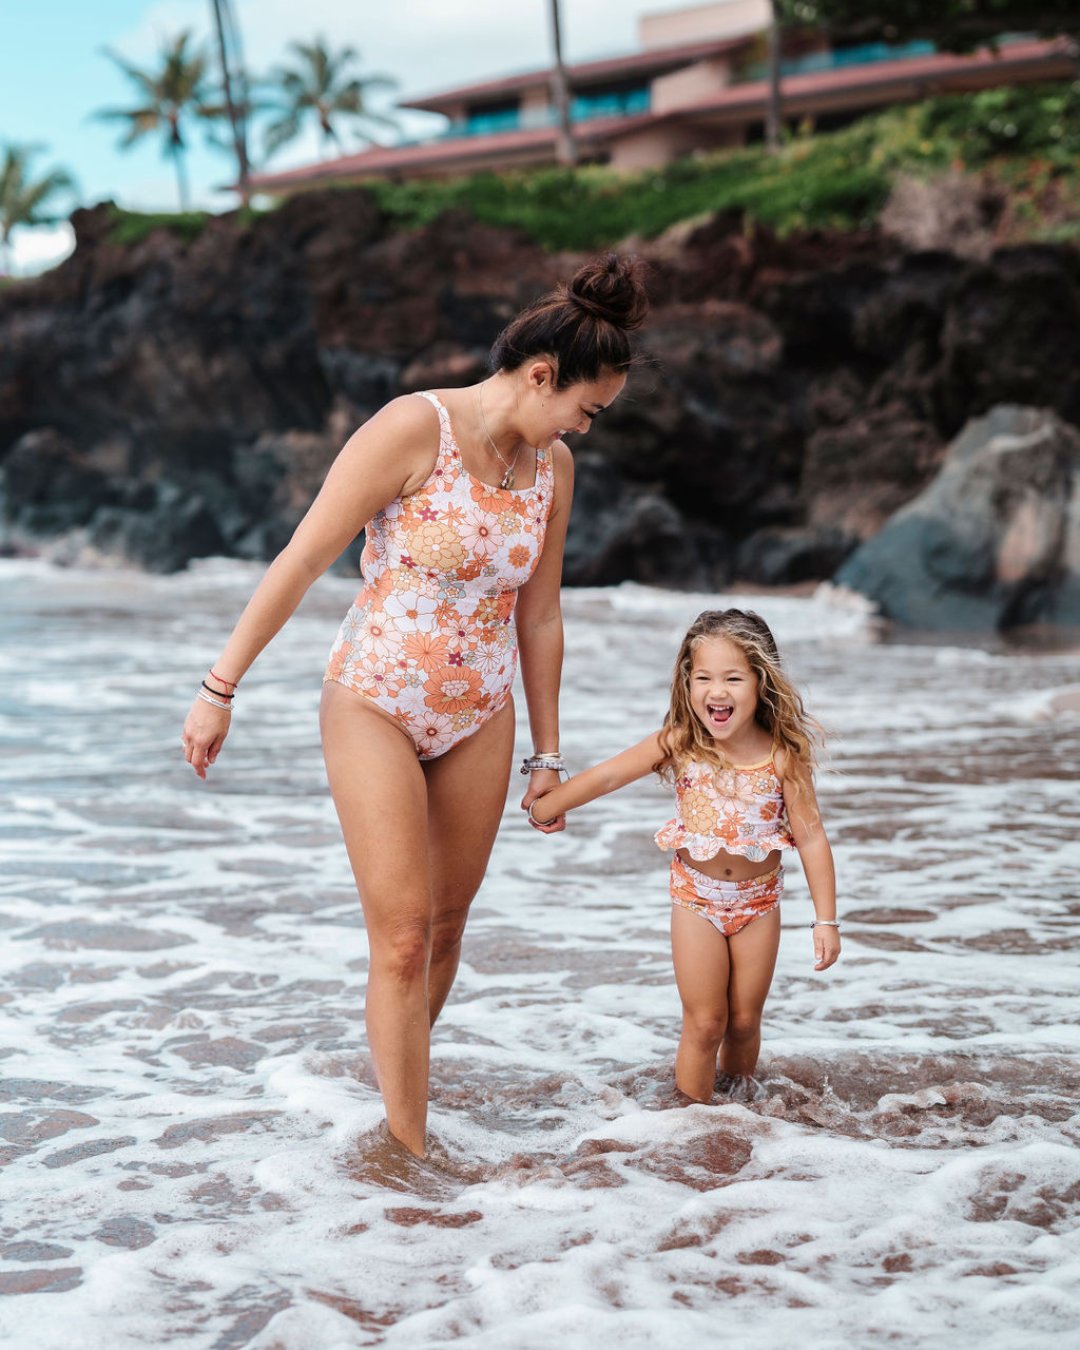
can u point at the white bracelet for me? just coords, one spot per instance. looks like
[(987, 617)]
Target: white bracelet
[(532, 763), (825, 923), (215, 702)]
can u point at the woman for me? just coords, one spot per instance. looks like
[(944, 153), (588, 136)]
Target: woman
[(465, 495)]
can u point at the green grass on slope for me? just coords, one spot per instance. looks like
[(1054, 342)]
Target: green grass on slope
[(1027, 138), (838, 179)]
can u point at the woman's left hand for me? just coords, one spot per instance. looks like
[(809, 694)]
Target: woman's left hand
[(541, 781), (826, 946)]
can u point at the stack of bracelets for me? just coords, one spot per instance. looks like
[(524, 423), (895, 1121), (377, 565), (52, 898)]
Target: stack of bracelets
[(544, 761), (214, 696)]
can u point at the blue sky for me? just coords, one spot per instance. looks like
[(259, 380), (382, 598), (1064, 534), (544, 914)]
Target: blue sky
[(53, 74)]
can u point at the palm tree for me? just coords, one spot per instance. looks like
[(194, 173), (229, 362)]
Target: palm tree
[(567, 148), (234, 87), (23, 199), (320, 83), (172, 94)]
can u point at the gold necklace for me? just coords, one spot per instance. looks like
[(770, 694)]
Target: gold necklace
[(507, 480)]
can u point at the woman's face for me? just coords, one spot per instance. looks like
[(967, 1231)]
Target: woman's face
[(548, 414)]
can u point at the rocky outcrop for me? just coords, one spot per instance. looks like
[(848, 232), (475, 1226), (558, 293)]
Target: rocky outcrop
[(172, 399), (994, 541)]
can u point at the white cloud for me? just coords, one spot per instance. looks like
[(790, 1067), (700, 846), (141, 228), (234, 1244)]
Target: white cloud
[(42, 247), (425, 45)]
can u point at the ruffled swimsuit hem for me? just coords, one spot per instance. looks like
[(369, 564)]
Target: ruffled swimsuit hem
[(701, 847)]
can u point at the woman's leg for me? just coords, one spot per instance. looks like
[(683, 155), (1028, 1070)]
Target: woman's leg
[(752, 951), (466, 798), (381, 800), (700, 956)]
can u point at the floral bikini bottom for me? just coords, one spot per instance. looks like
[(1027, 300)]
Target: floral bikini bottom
[(728, 905)]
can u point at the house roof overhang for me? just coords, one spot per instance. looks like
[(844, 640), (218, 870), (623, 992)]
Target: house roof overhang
[(657, 61), (843, 87)]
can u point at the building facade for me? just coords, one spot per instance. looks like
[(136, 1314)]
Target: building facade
[(699, 81)]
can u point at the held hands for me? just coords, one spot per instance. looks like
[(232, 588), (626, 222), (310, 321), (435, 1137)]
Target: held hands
[(826, 946), (540, 782)]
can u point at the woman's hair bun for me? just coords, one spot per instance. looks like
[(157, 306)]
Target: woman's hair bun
[(611, 288)]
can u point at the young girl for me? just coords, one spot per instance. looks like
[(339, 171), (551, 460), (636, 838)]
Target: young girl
[(738, 747)]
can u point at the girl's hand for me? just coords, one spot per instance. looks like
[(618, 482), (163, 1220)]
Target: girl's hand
[(826, 946), (541, 781), (204, 734)]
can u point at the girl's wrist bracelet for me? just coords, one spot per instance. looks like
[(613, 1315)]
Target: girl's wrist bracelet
[(825, 923), (533, 818)]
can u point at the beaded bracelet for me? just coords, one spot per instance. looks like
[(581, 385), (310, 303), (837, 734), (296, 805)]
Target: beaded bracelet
[(824, 923), (534, 762)]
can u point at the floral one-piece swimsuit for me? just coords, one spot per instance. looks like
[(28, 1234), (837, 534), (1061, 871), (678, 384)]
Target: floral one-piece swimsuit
[(430, 639)]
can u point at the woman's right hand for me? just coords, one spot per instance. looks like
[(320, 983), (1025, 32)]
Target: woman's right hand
[(204, 734)]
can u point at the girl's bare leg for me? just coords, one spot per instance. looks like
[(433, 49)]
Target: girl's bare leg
[(700, 956), (381, 799), (752, 952), (466, 797)]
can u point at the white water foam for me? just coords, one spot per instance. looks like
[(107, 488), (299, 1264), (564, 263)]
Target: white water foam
[(189, 1124)]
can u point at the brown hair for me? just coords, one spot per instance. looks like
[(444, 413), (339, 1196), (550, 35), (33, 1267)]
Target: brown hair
[(780, 709), (584, 324)]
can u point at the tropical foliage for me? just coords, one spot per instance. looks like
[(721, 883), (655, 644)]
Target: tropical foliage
[(320, 85), (956, 25), (26, 200), (1023, 139), (176, 92)]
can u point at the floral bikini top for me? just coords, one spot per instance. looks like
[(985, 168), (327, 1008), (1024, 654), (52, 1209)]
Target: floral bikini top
[(740, 810)]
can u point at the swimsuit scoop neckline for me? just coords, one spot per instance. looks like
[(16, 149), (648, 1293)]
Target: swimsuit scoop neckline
[(444, 413)]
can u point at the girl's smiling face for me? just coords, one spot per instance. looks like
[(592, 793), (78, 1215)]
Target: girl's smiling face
[(723, 689)]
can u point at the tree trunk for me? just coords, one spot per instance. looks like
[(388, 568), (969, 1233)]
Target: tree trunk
[(239, 138), (566, 148), (773, 110), (177, 152)]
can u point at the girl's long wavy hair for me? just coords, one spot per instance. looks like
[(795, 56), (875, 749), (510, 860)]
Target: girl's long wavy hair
[(780, 709)]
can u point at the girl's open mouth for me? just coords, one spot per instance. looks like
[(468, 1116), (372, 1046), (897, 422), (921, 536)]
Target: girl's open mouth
[(719, 713)]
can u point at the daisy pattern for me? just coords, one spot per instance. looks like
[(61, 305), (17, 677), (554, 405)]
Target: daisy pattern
[(430, 638), (482, 539), (380, 637)]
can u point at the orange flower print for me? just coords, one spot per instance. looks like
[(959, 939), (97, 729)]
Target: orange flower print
[(380, 638), (430, 637), (453, 689), (375, 592), (379, 678), (433, 543), (488, 657), (481, 539), (426, 650), (462, 634), (411, 610), (492, 499), (698, 811)]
